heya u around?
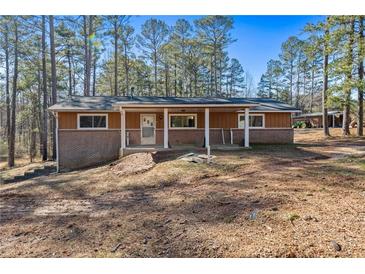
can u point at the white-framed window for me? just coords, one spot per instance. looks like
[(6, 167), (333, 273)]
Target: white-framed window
[(255, 120), (92, 121), (182, 121)]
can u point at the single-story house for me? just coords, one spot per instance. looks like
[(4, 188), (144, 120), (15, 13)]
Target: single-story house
[(315, 119), (96, 129)]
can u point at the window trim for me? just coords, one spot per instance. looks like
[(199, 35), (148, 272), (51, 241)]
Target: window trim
[(92, 114), (184, 114), (251, 114)]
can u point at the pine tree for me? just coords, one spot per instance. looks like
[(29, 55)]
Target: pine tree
[(214, 33), (151, 41)]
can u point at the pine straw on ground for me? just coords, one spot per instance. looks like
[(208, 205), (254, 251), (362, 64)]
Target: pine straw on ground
[(270, 201)]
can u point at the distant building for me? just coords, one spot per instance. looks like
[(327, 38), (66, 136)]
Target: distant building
[(314, 120)]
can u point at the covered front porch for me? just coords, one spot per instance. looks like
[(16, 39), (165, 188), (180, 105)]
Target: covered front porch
[(156, 128)]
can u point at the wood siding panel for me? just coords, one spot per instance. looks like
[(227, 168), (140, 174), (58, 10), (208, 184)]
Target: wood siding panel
[(114, 120), (277, 120), (200, 118), (230, 120), (67, 120), (223, 119), (133, 119), (226, 120)]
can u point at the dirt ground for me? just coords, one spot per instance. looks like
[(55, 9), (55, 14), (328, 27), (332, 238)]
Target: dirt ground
[(301, 200)]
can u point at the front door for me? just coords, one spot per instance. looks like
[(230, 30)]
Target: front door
[(148, 126)]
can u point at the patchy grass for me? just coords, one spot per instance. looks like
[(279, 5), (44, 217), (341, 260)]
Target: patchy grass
[(356, 161), (19, 162), (270, 201)]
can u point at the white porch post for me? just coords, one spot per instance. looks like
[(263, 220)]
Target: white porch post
[(57, 144), (206, 127), (122, 131), (165, 128), (247, 127)]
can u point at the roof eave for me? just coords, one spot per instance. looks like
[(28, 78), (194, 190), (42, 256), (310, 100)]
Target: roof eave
[(79, 110), (276, 110), (136, 105)]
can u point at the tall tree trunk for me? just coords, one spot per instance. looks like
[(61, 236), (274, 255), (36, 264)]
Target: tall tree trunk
[(116, 59), (33, 132), (175, 75), (166, 80), (195, 83), (86, 59), (73, 75), (220, 76), (291, 82), (297, 85), (126, 67), (155, 70), (227, 86), (7, 83), (54, 84), (69, 72), (94, 74), (360, 91), (312, 89), (231, 83), (325, 86), (45, 94), (211, 75), (39, 107), (89, 55), (215, 71), (349, 60), (13, 99)]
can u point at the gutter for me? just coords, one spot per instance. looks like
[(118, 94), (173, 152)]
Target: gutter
[(183, 105)]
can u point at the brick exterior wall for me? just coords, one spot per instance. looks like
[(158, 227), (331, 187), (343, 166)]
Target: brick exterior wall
[(272, 136), (83, 148), (196, 136), (265, 136), (186, 137), (176, 137)]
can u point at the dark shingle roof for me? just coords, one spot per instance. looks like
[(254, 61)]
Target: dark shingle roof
[(107, 102), (333, 112), (268, 104)]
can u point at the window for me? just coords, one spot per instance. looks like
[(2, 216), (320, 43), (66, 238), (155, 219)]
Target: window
[(182, 120), (92, 121), (256, 121)]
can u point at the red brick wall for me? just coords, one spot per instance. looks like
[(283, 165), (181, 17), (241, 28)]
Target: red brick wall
[(186, 137), (265, 136), (196, 136), (82, 148)]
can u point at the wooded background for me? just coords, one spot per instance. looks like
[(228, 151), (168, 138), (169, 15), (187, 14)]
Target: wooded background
[(45, 58)]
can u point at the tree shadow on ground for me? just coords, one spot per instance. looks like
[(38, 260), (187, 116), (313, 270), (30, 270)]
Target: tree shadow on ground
[(163, 219)]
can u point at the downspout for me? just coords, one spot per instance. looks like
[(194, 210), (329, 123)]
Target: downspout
[(57, 144), (231, 136), (223, 141), (247, 128), (122, 131)]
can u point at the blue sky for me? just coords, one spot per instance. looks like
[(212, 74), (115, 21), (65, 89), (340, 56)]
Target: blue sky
[(259, 38)]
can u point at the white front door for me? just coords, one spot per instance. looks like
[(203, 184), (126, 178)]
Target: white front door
[(148, 126)]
